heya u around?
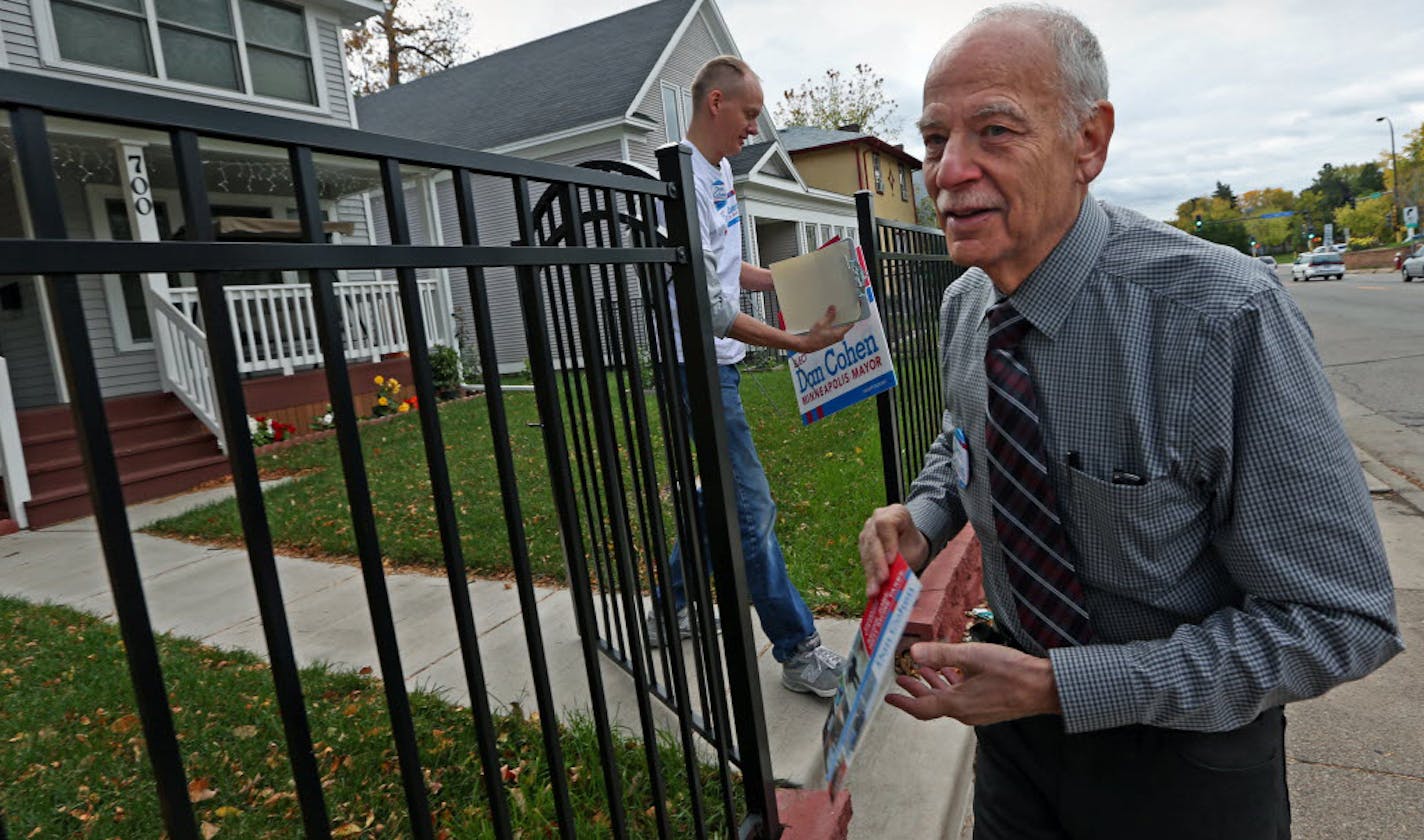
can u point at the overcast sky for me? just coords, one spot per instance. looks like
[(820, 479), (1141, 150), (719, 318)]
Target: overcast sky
[(1255, 94)]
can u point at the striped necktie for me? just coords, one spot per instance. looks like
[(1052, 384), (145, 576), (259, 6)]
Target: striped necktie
[(1047, 595)]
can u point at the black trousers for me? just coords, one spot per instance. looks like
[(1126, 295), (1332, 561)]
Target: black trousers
[(1034, 782)]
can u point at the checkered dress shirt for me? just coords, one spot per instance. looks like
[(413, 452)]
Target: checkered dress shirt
[(1247, 571)]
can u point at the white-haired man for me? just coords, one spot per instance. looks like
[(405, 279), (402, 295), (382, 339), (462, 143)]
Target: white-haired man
[(1177, 537)]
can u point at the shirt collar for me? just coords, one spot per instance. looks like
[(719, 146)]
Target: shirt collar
[(1047, 295)]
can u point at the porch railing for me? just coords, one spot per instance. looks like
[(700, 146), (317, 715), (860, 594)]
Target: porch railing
[(275, 326), (12, 455), (184, 364)]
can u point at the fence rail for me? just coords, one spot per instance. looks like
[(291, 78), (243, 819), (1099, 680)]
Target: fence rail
[(567, 269)]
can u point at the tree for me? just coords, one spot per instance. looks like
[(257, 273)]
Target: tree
[(1411, 168), (837, 100), (1221, 223), (1369, 220), (406, 42), (1223, 191), (1333, 186), (925, 212)]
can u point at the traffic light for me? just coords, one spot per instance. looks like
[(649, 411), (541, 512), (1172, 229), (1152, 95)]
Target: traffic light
[(1198, 223)]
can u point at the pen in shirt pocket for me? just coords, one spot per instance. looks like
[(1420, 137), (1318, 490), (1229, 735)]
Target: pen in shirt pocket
[(1131, 479)]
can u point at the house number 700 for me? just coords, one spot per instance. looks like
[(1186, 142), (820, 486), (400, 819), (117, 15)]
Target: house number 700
[(138, 185)]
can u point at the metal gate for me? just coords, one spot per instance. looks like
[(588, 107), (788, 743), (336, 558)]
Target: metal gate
[(910, 269), (577, 281)]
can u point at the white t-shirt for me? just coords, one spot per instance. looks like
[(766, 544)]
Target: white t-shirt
[(721, 223)]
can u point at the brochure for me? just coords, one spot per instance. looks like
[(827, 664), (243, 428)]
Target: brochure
[(856, 368), (828, 276), (869, 671)]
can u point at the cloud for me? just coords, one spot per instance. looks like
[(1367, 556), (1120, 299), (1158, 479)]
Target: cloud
[(1253, 94)]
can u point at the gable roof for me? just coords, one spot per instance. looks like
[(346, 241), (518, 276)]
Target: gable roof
[(745, 161), (803, 138), (565, 80)]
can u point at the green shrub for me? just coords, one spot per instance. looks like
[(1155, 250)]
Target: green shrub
[(445, 370)]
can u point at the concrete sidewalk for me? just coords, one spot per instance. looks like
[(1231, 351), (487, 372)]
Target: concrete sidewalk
[(1356, 756), (206, 593)]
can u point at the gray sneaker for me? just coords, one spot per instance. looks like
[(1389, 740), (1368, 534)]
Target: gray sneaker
[(813, 669), (655, 626)]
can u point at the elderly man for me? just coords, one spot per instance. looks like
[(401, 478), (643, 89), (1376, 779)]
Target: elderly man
[(726, 104), (1177, 537)]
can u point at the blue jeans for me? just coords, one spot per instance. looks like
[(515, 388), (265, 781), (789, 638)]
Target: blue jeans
[(784, 616)]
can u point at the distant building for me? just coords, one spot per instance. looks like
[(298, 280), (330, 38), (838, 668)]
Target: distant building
[(847, 159)]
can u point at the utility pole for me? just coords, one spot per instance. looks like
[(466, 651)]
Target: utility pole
[(1394, 162)]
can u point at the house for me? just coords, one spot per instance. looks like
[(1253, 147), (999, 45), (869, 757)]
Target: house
[(615, 89), (274, 57), (847, 159)]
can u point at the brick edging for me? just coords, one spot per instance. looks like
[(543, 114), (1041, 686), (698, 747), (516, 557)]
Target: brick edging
[(953, 583), (813, 814)]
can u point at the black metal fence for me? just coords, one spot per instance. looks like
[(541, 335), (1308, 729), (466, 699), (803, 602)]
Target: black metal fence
[(621, 472), (910, 269)]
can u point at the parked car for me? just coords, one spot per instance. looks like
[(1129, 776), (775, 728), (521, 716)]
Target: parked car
[(1269, 261), (1311, 266), (1413, 266)]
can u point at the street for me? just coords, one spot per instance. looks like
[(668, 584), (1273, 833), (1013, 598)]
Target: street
[(1353, 754), (1369, 329)]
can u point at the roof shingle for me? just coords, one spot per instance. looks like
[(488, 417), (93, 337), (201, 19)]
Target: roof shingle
[(561, 81)]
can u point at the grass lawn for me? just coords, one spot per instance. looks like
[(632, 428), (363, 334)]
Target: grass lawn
[(74, 765), (825, 478)]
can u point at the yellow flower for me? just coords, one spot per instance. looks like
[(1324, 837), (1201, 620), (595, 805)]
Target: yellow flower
[(383, 401), (380, 380), (404, 408), (395, 385)]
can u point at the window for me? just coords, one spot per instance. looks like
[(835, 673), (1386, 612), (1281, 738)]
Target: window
[(904, 183), (193, 41), (677, 111), (672, 120), (879, 181)]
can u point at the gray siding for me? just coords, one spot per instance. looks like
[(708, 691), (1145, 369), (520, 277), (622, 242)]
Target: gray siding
[(22, 52), (19, 27), (692, 51), (329, 37), (494, 209), (23, 344)]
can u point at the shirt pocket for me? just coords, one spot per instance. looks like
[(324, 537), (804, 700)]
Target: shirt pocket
[(1131, 538)]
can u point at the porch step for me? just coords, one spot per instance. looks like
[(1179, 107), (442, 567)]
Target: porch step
[(72, 501), (159, 446), (183, 443)]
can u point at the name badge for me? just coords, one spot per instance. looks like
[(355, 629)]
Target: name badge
[(961, 458)]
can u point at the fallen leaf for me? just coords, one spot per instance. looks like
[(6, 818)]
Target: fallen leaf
[(227, 811), (347, 830), (124, 724), (209, 830), (198, 791), (245, 731)]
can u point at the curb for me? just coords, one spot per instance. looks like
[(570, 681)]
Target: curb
[(813, 814)]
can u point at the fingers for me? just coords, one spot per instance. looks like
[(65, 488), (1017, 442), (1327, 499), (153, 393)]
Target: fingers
[(879, 542)]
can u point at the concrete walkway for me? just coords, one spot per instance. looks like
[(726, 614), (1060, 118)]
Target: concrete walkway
[(206, 593)]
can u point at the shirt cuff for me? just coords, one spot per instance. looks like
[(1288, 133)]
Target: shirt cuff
[(933, 521), (1095, 687)]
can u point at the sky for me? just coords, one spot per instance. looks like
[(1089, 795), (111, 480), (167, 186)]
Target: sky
[(1253, 94)]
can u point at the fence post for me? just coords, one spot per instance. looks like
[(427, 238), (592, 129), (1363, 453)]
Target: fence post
[(884, 403), (723, 533)]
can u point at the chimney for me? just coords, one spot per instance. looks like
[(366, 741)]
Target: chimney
[(853, 128)]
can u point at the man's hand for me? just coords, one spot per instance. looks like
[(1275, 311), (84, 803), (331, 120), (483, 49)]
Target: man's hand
[(822, 334), (890, 531), (977, 684)]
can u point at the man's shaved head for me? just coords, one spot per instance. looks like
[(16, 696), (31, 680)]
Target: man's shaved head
[(726, 73)]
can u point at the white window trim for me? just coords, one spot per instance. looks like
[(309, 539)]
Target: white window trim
[(95, 197), (663, 90), (4, 61), (49, 57)]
